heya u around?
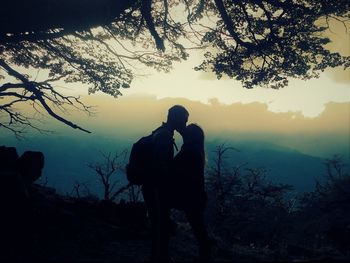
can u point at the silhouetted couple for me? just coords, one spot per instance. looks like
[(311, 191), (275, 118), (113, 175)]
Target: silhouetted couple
[(176, 182)]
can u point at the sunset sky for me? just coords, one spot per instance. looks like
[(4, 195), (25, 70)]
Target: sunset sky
[(307, 97), (310, 119), (319, 106), (316, 111), (316, 106)]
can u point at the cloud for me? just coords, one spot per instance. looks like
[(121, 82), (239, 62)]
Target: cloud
[(140, 114), (207, 75), (339, 75), (130, 117)]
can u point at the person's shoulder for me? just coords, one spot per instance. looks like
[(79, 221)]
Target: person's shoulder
[(162, 133)]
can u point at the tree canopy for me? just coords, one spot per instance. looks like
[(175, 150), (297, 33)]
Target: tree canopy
[(102, 43)]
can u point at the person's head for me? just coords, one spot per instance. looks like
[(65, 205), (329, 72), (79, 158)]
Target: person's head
[(194, 136), (177, 118)]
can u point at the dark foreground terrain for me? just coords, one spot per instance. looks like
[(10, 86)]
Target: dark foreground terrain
[(251, 219), (65, 229)]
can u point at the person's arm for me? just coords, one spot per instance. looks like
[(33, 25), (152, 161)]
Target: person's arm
[(162, 154)]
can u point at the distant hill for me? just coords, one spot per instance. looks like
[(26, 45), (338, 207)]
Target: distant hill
[(284, 165), (66, 159)]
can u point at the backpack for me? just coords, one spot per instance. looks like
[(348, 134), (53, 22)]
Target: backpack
[(140, 161)]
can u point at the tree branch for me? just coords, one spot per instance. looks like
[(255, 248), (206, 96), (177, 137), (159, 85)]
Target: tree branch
[(30, 86), (146, 9), (229, 25)]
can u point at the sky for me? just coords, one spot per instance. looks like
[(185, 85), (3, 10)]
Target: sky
[(264, 138), (307, 97), (311, 117), (316, 106), (224, 105)]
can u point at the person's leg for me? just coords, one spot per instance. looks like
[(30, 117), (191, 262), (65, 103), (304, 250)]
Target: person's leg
[(148, 193), (196, 220), (164, 231), (159, 216)]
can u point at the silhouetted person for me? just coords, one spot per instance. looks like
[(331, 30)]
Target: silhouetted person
[(30, 166), (156, 189), (188, 186), (16, 215)]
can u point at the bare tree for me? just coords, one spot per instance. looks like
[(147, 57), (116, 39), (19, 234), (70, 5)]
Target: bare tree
[(134, 194), (107, 171), (325, 212), (244, 202), (255, 185), (223, 179), (80, 189), (335, 181)]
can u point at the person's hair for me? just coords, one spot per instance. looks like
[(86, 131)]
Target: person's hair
[(177, 111), (195, 137), (196, 133)]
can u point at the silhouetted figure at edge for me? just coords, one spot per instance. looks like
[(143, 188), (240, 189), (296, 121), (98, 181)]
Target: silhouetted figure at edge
[(156, 189), (188, 192)]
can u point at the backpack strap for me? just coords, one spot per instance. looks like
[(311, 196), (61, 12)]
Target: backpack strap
[(174, 144)]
